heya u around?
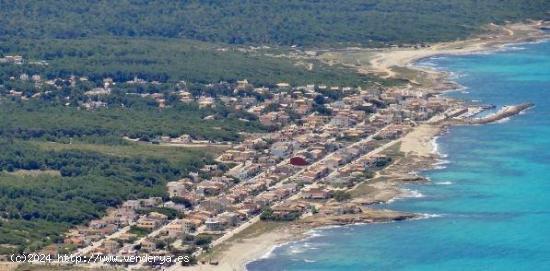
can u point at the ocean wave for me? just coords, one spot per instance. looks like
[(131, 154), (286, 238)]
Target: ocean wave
[(455, 75), (440, 164), (295, 250), (518, 45), (270, 252), (309, 261), (407, 194), (316, 234), (459, 88), (301, 246), (428, 64), (309, 246), (515, 48), (428, 216), (435, 146), (436, 150), (444, 183), (503, 120)]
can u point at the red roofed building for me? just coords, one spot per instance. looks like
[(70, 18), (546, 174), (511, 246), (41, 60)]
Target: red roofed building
[(298, 161)]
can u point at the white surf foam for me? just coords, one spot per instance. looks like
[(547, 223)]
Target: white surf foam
[(269, 253), (428, 216), (441, 164), (435, 146), (503, 120), (407, 194)]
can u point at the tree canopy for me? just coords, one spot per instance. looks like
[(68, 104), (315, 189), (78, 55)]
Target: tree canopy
[(302, 22)]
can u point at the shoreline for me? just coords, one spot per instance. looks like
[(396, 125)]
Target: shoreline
[(386, 60), (419, 145)]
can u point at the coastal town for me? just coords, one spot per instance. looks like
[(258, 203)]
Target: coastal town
[(325, 140)]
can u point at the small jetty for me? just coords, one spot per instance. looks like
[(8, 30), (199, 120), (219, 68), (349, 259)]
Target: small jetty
[(503, 113)]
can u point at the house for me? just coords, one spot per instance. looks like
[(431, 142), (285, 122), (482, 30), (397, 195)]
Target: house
[(317, 171), (185, 97), (209, 168), (98, 92), (150, 202), (127, 237), (12, 59), (147, 223), (209, 188), (78, 241), (148, 245), (158, 216), (214, 224), (317, 193), (247, 209), (176, 228), (340, 209), (200, 216), (236, 155), (248, 171), (278, 118), (183, 139), (108, 229), (206, 102), (214, 206), (97, 224), (281, 149), (131, 205), (287, 210), (175, 206), (177, 189), (152, 221), (191, 198), (188, 226), (242, 84), (110, 246), (120, 217)]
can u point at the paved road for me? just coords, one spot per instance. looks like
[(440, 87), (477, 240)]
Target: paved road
[(90, 248)]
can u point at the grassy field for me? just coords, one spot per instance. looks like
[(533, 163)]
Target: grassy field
[(169, 153)]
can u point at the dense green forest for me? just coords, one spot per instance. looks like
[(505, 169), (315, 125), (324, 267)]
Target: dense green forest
[(302, 22), (36, 209), (164, 60), (40, 120)]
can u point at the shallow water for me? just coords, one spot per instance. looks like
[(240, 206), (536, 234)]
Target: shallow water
[(492, 198)]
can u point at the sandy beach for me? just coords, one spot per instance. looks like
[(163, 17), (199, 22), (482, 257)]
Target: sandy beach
[(385, 61), (420, 141), (253, 243)]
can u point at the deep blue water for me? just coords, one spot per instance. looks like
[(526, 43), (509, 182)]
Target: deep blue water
[(493, 195)]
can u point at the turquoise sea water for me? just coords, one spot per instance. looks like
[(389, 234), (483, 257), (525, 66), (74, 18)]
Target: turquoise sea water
[(492, 198)]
